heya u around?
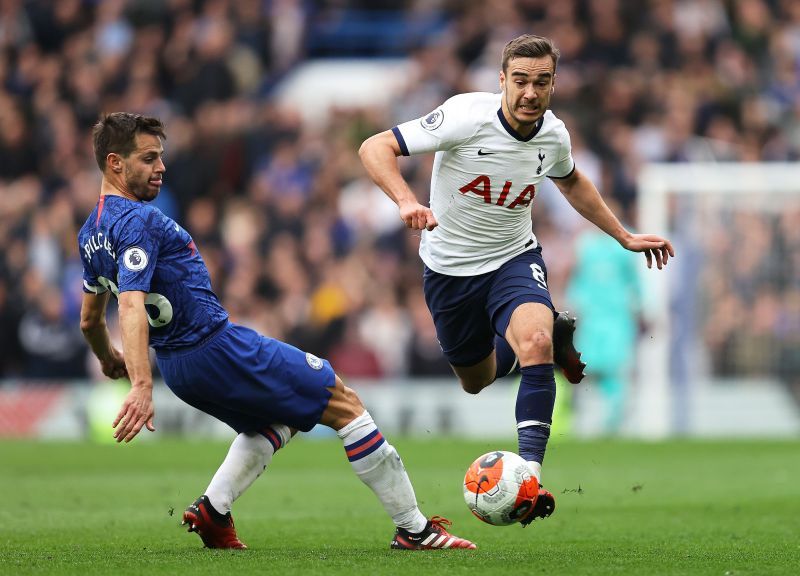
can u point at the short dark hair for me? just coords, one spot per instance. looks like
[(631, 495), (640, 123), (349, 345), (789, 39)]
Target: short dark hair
[(530, 46), (116, 132)]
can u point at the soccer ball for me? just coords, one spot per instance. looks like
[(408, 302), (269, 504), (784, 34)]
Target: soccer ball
[(500, 489)]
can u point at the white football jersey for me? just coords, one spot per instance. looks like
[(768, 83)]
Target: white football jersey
[(484, 180)]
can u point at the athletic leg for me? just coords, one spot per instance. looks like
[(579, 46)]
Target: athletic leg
[(248, 456), (378, 465), (530, 334), (475, 378), (463, 328), (373, 459), (505, 358), (565, 356)]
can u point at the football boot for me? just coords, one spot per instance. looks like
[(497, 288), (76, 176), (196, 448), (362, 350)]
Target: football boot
[(215, 529), (434, 537), (564, 353), (544, 506)]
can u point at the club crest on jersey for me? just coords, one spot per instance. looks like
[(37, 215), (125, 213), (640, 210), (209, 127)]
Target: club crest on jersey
[(313, 361), (433, 120), (135, 259), (541, 159)]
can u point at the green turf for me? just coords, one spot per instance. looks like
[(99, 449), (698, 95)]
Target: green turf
[(717, 508)]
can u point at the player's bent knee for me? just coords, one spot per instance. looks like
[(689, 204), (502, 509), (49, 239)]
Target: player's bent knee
[(473, 387), (344, 406), (475, 378), (538, 345), (470, 388)]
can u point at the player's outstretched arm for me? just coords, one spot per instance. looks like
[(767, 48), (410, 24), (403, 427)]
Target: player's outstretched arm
[(379, 156), (95, 331), (137, 409), (585, 198)]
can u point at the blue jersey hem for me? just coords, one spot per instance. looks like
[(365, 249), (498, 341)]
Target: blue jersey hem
[(163, 352)]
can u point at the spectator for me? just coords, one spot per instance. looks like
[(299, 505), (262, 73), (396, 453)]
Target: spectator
[(279, 207)]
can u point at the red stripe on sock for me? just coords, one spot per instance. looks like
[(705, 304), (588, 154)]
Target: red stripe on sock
[(360, 449), (273, 437)]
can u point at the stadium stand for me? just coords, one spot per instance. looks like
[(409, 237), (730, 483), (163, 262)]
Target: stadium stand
[(282, 211)]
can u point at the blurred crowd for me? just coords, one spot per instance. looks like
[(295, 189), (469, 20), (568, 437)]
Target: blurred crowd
[(751, 298), (299, 243)]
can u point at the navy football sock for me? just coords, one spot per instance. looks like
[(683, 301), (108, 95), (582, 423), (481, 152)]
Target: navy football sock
[(535, 401), (505, 358)]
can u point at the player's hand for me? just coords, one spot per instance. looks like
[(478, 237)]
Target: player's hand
[(114, 366), (654, 248), (136, 412), (416, 216)]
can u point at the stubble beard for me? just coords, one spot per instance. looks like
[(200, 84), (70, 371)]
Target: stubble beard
[(141, 190), (524, 122)]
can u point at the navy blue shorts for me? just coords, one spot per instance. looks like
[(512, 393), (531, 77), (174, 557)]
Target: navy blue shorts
[(250, 381), (469, 311)]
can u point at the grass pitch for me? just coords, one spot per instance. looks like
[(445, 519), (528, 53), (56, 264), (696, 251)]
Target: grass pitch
[(719, 508)]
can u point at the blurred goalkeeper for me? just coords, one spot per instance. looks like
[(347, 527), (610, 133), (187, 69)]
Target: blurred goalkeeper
[(485, 281), (264, 389)]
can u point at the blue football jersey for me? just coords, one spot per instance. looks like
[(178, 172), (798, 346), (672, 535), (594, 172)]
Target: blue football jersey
[(127, 245)]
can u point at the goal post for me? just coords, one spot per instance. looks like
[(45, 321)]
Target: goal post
[(708, 365)]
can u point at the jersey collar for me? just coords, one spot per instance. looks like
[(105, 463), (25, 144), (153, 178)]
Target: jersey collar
[(516, 134)]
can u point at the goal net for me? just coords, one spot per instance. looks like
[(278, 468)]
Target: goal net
[(722, 355)]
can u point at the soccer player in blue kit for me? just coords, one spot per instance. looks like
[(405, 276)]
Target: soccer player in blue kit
[(264, 389), (485, 281)]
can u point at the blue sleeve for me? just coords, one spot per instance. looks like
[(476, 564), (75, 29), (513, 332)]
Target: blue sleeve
[(91, 285), (138, 243)]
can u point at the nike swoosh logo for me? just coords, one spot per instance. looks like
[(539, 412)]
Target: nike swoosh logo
[(482, 153)]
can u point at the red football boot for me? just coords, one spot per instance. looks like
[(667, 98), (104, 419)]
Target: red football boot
[(216, 530), (544, 506)]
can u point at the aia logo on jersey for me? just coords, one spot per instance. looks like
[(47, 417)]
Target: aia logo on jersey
[(433, 120), (135, 259), (482, 186)]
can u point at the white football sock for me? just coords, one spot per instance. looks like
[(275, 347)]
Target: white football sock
[(536, 469), (248, 456), (379, 466)]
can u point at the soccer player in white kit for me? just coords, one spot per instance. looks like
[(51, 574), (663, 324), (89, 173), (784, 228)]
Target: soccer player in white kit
[(485, 281)]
